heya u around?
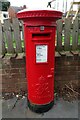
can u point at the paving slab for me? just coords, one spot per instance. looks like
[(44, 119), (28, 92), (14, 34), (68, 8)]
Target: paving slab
[(61, 109)]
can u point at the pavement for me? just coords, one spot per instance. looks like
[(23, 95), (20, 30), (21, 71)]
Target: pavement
[(61, 109)]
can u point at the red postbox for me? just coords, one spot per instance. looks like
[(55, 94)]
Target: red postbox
[(39, 32)]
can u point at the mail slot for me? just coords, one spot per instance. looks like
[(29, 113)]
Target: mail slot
[(39, 31), (40, 35)]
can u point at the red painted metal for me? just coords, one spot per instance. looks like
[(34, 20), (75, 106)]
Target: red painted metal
[(39, 30)]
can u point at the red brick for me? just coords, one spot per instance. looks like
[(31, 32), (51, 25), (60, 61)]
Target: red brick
[(16, 75), (14, 70), (17, 65), (22, 70), (66, 78), (0, 78), (66, 69), (0, 71)]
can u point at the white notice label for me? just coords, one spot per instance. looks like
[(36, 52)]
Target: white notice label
[(41, 53)]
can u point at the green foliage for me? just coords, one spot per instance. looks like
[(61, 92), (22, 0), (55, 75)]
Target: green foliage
[(5, 6)]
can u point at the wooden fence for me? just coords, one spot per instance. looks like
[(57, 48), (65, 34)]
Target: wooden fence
[(12, 36)]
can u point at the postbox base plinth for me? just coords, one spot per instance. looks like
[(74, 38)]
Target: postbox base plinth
[(40, 108)]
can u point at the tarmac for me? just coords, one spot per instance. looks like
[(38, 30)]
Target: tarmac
[(61, 109)]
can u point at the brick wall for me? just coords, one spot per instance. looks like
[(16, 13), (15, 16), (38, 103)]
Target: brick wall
[(13, 74), (67, 73), (67, 69)]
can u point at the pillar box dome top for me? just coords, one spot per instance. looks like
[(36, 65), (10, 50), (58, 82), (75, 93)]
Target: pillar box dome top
[(35, 17)]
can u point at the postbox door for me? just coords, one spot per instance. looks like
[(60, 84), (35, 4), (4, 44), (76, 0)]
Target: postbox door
[(40, 51)]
